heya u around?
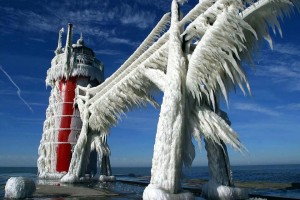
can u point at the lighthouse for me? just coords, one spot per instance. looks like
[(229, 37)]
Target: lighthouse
[(74, 65)]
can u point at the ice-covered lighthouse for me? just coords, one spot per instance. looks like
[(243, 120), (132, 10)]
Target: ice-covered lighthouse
[(73, 65)]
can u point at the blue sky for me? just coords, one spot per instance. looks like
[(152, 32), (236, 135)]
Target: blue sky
[(268, 122)]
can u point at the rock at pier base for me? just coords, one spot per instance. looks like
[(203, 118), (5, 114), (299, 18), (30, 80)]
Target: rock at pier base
[(213, 190), (19, 188), (153, 192)]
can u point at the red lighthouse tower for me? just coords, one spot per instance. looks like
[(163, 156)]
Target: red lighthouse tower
[(73, 65), (67, 90)]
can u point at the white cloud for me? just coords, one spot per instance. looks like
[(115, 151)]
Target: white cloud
[(255, 108), (30, 79), (38, 40), (26, 20), (93, 31), (284, 71), (93, 19), (136, 20), (287, 48), (279, 70), (160, 4), (122, 41), (133, 16), (292, 106), (107, 52), (282, 67)]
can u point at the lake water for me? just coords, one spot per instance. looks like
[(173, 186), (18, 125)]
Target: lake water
[(268, 173)]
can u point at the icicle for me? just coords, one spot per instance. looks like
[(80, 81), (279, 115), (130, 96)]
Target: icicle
[(217, 54), (265, 12), (212, 126)]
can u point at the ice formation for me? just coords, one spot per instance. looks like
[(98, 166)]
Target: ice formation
[(195, 64), (19, 188)]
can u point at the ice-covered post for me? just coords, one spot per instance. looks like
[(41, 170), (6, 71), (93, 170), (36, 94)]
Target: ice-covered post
[(220, 185), (102, 148), (167, 157), (220, 174)]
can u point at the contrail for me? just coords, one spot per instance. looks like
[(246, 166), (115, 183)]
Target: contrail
[(18, 89)]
